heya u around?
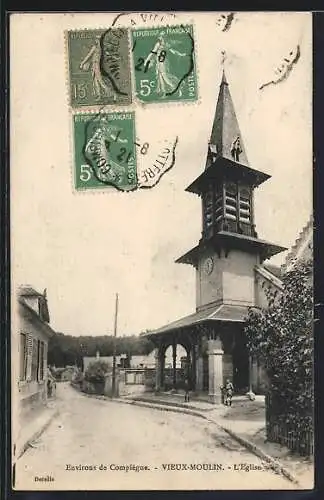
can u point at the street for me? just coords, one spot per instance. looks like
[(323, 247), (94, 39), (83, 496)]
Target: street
[(92, 441)]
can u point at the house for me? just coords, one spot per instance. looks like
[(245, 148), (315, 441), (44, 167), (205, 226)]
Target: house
[(87, 360), (67, 373), (148, 360), (34, 335), (135, 360)]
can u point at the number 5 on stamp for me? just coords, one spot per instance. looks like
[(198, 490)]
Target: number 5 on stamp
[(104, 151), (164, 64)]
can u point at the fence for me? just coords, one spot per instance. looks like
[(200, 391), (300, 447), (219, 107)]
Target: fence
[(279, 431), (134, 376)]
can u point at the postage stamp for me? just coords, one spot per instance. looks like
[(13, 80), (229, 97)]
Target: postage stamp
[(104, 150), (99, 67), (164, 64)]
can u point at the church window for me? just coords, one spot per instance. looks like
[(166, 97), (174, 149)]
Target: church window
[(231, 200), (245, 205), (208, 212), (218, 205)]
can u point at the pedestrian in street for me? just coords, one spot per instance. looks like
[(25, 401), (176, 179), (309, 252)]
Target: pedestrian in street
[(229, 389), (187, 387)]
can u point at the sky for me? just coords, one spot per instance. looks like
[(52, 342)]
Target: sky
[(85, 247)]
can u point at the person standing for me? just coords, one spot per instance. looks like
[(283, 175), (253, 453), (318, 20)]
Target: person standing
[(187, 388), (229, 389)]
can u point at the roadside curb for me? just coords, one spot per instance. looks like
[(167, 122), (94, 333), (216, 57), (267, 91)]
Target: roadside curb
[(162, 407), (256, 450), (274, 464), (36, 434)]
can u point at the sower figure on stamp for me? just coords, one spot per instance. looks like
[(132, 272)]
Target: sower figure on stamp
[(167, 82), (236, 149), (92, 62)]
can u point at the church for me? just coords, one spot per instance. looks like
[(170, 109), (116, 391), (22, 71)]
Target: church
[(230, 274)]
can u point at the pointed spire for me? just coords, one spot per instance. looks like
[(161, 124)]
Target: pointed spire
[(224, 80), (226, 140)]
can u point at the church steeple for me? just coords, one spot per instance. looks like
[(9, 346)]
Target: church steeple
[(226, 188), (226, 140)]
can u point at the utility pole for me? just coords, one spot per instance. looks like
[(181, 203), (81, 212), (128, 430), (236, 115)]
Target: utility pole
[(113, 385)]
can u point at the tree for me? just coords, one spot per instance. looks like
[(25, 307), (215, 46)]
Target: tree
[(281, 337), (96, 371), (69, 350)]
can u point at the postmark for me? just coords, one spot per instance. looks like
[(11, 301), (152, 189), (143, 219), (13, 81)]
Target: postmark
[(99, 67), (164, 64), (283, 70), (109, 155), (105, 151), (144, 18), (161, 157)]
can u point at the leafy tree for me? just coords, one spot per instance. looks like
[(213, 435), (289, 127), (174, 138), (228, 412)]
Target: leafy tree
[(69, 350), (281, 337), (96, 371)]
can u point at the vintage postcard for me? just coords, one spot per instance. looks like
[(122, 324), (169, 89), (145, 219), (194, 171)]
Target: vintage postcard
[(161, 251)]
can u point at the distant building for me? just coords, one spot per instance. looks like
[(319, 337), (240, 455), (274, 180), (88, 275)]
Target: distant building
[(68, 373), (135, 360), (34, 335), (148, 360), (87, 360)]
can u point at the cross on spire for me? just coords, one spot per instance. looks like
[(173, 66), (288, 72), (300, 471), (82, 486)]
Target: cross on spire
[(223, 58)]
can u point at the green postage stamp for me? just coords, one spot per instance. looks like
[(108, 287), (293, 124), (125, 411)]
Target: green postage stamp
[(104, 151), (99, 67), (164, 64)]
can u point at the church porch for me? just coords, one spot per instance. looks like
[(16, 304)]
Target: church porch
[(215, 351)]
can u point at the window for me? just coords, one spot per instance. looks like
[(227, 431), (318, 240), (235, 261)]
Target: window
[(231, 201), (245, 205), (34, 363), (41, 360), (218, 209), (208, 211), (37, 362), (23, 356)]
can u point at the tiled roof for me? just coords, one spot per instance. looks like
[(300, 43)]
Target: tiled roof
[(27, 290), (276, 270), (223, 312)]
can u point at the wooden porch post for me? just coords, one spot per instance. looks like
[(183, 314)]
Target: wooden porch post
[(174, 358), (193, 365)]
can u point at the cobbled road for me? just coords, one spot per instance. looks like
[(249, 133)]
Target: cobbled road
[(92, 442)]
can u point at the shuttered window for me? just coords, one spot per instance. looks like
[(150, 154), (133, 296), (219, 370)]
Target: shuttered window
[(40, 360), (231, 201), (34, 362), (23, 356), (208, 212), (245, 205), (29, 356)]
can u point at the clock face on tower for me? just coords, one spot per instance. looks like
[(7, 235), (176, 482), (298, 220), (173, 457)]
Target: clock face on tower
[(208, 265)]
